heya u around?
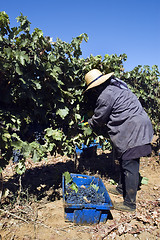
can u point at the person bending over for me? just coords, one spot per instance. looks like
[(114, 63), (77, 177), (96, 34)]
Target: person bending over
[(129, 128)]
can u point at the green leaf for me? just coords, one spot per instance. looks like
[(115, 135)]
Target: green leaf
[(63, 112), (49, 131), (17, 144), (55, 134), (69, 180), (51, 147), (71, 123), (144, 180), (112, 182), (7, 135), (4, 22), (77, 116), (74, 187), (38, 32), (18, 70), (38, 85), (35, 156), (94, 186), (25, 24), (67, 177), (87, 131), (20, 168)]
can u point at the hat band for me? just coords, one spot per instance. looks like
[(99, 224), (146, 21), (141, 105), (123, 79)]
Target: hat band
[(94, 80)]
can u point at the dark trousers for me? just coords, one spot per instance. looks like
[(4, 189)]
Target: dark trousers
[(129, 181)]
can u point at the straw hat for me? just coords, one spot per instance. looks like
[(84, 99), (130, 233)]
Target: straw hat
[(94, 78)]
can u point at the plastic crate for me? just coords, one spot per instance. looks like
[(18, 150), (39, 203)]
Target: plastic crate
[(86, 213), (87, 151)]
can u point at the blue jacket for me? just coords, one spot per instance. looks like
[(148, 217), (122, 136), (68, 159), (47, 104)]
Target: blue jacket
[(128, 124)]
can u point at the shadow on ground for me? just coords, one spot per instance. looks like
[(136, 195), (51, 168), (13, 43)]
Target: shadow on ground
[(45, 182)]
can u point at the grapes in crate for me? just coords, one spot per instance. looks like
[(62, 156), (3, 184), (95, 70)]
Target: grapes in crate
[(84, 196)]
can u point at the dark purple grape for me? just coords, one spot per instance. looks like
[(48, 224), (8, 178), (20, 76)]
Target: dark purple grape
[(17, 156), (84, 195)]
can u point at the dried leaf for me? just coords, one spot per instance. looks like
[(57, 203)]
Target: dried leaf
[(121, 229), (128, 227), (6, 193)]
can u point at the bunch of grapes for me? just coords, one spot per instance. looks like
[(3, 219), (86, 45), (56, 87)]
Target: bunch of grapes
[(39, 137), (84, 195), (17, 156)]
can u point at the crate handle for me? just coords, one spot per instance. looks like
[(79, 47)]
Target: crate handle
[(81, 177)]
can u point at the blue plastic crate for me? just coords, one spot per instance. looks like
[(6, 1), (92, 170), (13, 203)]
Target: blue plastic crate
[(87, 213), (79, 151)]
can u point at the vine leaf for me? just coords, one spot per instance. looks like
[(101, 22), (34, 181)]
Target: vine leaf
[(67, 177), (63, 112), (69, 181), (94, 186)]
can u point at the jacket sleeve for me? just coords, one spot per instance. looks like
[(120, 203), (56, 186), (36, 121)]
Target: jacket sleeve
[(101, 114)]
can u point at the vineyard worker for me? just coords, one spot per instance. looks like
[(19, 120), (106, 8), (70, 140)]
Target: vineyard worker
[(129, 128)]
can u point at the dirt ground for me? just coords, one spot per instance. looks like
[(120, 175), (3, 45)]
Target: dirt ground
[(32, 205)]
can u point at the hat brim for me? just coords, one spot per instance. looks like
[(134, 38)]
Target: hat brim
[(99, 81)]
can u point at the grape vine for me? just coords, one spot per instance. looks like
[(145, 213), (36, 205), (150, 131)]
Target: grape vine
[(41, 93)]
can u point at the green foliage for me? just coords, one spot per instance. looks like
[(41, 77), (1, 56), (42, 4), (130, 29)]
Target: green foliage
[(143, 81), (4, 23), (69, 182), (67, 177), (42, 84)]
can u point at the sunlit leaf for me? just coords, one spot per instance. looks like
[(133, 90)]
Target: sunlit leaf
[(63, 112)]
